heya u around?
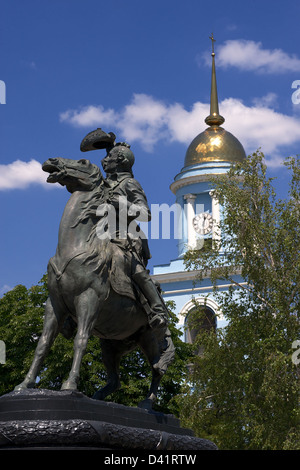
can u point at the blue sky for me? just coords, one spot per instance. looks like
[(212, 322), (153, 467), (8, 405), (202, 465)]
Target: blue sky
[(142, 70)]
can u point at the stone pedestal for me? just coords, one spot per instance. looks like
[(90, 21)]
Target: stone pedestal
[(44, 419)]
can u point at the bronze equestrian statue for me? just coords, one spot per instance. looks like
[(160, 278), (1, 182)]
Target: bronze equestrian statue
[(99, 282)]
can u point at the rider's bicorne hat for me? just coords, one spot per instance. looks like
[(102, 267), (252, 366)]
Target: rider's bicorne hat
[(98, 139)]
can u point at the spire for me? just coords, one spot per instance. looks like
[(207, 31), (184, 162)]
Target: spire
[(214, 119)]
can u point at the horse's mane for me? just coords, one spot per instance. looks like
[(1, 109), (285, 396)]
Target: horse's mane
[(90, 204)]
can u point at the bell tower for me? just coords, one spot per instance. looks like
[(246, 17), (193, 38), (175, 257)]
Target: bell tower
[(210, 153)]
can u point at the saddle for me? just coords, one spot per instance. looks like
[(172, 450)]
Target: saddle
[(120, 275)]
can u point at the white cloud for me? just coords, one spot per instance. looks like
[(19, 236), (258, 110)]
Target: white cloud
[(149, 121), (250, 56), (20, 175), (144, 119), (267, 101), (88, 116), (139, 120)]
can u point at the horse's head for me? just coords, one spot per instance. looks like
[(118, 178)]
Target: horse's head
[(76, 175)]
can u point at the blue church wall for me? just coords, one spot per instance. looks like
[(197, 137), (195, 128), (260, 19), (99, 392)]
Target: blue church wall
[(203, 201), (194, 188)]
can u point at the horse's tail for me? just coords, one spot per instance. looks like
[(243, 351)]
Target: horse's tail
[(167, 355)]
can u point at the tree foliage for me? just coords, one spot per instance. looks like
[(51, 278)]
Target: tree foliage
[(21, 322), (245, 387)]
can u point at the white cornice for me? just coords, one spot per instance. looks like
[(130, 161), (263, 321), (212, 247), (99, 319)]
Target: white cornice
[(201, 289), (191, 180), (177, 276), (186, 276)]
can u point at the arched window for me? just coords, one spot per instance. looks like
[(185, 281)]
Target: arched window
[(205, 320)]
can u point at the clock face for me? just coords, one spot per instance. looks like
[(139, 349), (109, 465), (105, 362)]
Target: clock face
[(203, 223)]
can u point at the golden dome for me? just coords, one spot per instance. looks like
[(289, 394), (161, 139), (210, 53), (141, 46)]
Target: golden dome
[(215, 144)]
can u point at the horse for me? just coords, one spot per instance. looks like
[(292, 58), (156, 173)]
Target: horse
[(80, 290)]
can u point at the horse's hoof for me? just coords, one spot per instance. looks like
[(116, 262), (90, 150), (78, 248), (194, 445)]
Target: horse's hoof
[(23, 386), (20, 387), (69, 385)]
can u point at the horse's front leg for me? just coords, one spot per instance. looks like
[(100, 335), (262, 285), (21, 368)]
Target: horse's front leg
[(52, 324), (111, 355), (87, 307), (112, 351)]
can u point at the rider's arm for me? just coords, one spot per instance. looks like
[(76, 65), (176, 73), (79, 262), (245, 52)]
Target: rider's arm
[(137, 204)]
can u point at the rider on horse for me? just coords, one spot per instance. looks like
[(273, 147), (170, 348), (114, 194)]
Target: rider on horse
[(119, 186)]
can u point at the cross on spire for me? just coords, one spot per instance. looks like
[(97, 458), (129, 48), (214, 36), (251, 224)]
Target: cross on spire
[(212, 43), (214, 119)]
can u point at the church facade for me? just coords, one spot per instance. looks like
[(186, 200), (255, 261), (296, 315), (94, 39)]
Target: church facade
[(212, 152)]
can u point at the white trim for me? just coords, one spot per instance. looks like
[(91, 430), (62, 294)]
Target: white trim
[(185, 275), (215, 209), (206, 301), (190, 198), (193, 289), (177, 276), (192, 179)]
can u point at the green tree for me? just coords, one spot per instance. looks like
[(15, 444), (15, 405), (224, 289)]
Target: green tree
[(19, 331), (21, 322), (244, 389)]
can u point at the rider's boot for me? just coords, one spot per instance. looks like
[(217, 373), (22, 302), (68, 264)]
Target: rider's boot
[(158, 316)]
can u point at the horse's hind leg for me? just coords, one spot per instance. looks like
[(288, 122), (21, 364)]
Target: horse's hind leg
[(150, 347), (52, 324), (159, 350)]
